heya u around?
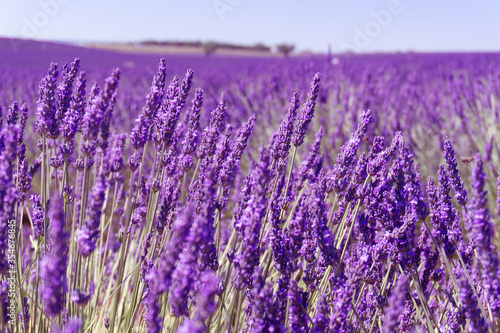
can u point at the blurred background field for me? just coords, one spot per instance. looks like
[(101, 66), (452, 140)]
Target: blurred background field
[(427, 96)]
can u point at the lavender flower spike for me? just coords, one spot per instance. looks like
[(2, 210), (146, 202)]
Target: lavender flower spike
[(107, 104), (483, 235), (168, 259), (87, 236), (280, 144), (339, 176), (54, 265), (477, 323), (298, 317), (185, 87), (72, 120), (8, 191), (205, 304), (312, 164), (38, 215), (307, 112), (13, 113), (142, 129), (211, 133), (46, 122), (456, 181), (191, 139), (231, 165), (396, 305), (65, 88)]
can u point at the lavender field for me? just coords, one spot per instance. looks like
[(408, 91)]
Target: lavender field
[(337, 193)]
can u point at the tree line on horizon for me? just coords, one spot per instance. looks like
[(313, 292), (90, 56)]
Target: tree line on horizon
[(211, 47)]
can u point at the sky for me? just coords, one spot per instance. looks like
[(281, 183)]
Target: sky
[(310, 25)]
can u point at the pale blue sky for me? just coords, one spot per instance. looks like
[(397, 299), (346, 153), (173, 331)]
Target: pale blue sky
[(420, 25)]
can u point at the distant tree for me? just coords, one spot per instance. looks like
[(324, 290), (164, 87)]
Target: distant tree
[(261, 47), (285, 49), (210, 48)]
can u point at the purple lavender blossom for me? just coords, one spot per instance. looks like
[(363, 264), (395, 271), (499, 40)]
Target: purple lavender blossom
[(345, 288), (339, 176), (455, 319), (205, 304), (298, 317), (78, 100), (142, 129), (106, 104), (379, 158), (88, 235), (251, 222), (456, 181), (173, 91), (248, 259), (224, 148), (22, 124), (449, 212), (23, 177), (64, 90), (265, 317), (396, 305), (13, 114), (483, 235), (318, 214), (185, 272), (191, 138), (185, 87), (98, 116), (73, 325), (54, 264), (205, 208), (313, 163), (168, 115), (166, 122), (46, 123), (471, 309), (320, 321), (281, 297), (212, 131), (116, 156), (295, 230), (93, 94), (307, 112), (71, 122), (8, 190), (281, 255), (231, 165), (169, 257), (90, 126), (38, 215), (153, 319), (168, 207), (281, 140)]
